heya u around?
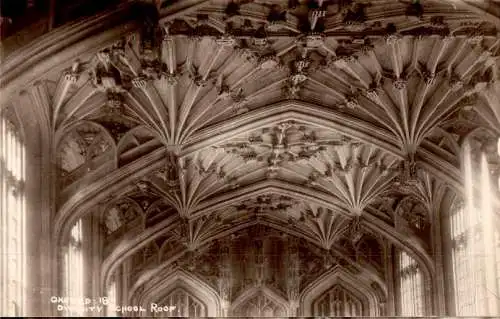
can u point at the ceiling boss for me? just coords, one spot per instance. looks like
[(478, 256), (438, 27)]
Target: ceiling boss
[(255, 158)]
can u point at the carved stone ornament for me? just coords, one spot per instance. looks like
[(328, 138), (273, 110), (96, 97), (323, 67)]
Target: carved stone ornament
[(400, 84), (114, 104), (355, 231), (355, 17), (268, 61), (267, 204), (169, 174), (408, 177)]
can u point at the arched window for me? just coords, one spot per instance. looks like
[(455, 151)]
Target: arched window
[(337, 301), (12, 219), (467, 274), (74, 271), (472, 235), (183, 304), (411, 286)]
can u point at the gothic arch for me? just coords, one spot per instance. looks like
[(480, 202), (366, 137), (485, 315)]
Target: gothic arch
[(356, 286), (180, 279), (277, 304)]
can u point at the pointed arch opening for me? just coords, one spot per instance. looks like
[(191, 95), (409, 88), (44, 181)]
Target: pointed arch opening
[(259, 302), (181, 295), (340, 293)]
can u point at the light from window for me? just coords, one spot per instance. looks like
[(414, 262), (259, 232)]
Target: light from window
[(467, 272), (411, 286), (112, 298), (74, 272), (498, 146), (473, 243), (497, 251), (183, 304), (12, 220)]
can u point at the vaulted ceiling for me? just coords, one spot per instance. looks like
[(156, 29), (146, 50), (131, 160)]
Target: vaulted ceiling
[(336, 122)]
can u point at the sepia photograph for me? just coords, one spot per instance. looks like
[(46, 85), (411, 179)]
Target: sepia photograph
[(250, 158)]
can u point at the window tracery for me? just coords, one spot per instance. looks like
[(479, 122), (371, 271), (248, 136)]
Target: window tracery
[(182, 304), (12, 219), (74, 271), (338, 301), (259, 305), (411, 299), (464, 269), (473, 237)]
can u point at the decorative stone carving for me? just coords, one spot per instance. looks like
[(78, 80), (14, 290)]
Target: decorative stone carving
[(197, 79), (351, 100), (393, 38), (143, 186), (438, 22), (73, 74), (416, 214), (106, 75), (408, 177), (312, 263), (139, 82), (170, 174), (400, 84), (115, 103), (313, 41), (226, 41), (275, 149), (456, 83), (474, 39), (429, 77), (79, 148), (267, 204), (355, 231), (355, 17), (315, 16), (268, 61), (121, 213)]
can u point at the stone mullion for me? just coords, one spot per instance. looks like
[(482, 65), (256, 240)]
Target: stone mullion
[(293, 274)]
